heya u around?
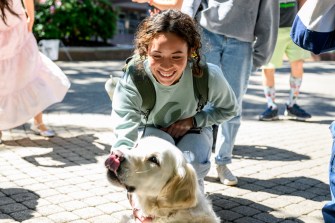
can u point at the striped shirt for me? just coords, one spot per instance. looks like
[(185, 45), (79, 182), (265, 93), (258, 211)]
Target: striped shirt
[(288, 10)]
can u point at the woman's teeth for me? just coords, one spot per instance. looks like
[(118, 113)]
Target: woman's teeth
[(166, 74)]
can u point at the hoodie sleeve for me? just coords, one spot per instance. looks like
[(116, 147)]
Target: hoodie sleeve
[(190, 7), (126, 116), (222, 103), (266, 30)]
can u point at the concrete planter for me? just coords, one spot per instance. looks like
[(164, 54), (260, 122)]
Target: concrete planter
[(50, 48), (94, 53)]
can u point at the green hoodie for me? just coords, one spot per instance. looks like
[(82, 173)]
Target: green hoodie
[(173, 103)]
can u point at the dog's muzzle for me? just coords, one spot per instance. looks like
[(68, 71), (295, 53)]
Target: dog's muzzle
[(113, 163)]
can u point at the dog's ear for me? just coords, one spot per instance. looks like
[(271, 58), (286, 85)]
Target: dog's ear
[(180, 191)]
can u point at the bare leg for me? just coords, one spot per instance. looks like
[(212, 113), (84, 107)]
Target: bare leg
[(297, 69), (297, 72), (268, 77), (38, 122), (39, 127)]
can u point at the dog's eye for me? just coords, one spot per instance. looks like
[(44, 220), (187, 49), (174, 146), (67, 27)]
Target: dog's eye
[(154, 160)]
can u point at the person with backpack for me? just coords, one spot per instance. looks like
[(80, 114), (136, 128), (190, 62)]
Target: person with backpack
[(239, 36), (167, 60)]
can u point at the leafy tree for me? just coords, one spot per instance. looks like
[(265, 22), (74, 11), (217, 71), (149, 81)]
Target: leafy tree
[(75, 20)]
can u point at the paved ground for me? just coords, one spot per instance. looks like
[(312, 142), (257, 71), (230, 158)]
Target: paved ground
[(282, 165)]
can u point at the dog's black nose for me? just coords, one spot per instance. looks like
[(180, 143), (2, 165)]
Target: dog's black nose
[(118, 155), (114, 160)]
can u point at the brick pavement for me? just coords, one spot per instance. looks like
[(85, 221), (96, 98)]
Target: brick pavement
[(281, 165)]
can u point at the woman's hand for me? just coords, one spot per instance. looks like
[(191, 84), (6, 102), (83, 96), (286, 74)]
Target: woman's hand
[(180, 127)]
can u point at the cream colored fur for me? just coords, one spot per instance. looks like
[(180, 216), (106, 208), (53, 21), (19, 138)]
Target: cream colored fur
[(165, 185)]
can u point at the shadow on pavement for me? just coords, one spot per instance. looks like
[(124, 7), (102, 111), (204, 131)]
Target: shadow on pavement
[(74, 102), (17, 203), (232, 209), (321, 122), (304, 187), (259, 152), (317, 69), (65, 152), (87, 85)]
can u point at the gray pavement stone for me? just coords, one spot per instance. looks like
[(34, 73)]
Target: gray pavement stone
[(80, 221), (73, 205), (103, 218), (23, 215), (6, 219), (87, 212), (12, 208), (245, 210), (265, 218), (247, 220), (49, 209), (281, 166), (63, 217), (39, 219), (6, 201)]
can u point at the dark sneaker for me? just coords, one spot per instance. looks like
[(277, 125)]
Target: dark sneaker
[(269, 114), (296, 112)]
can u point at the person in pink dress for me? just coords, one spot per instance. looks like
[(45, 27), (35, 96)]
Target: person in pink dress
[(29, 81)]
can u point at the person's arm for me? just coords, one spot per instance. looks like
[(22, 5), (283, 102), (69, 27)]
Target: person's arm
[(30, 10), (126, 116), (221, 97), (163, 4), (190, 7), (266, 30), (300, 3)]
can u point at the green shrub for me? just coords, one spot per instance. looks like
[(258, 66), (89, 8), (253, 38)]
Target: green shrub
[(75, 20)]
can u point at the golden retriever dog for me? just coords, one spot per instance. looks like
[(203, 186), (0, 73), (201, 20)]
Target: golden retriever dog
[(163, 185)]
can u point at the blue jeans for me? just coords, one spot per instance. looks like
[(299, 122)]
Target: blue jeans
[(195, 147), (234, 57), (328, 211)]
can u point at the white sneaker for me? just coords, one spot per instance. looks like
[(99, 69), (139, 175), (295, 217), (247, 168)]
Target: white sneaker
[(226, 176)]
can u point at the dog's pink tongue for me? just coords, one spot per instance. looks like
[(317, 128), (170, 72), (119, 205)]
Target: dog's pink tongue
[(113, 162)]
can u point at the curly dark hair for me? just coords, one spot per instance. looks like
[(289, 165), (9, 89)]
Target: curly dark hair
[(6, 5), (170, 21)]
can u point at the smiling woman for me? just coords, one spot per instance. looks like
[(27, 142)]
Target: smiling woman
[(167, 58), (168, 46)]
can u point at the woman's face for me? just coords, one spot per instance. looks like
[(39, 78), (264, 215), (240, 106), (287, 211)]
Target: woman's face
[(167, 55)]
